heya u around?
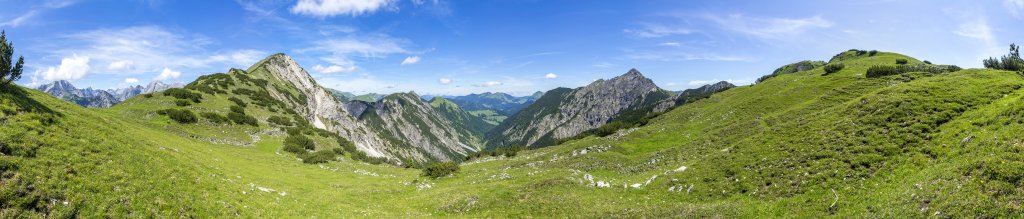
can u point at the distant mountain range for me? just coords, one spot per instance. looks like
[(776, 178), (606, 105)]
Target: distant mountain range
[(94, 98)]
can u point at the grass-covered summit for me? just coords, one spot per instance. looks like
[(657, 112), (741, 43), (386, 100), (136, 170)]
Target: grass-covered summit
[(800, 144)]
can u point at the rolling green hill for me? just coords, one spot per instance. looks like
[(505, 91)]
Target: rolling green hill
[(799, 144)]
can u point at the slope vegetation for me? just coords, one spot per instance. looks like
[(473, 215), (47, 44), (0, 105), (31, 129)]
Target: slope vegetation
[(799, 144)]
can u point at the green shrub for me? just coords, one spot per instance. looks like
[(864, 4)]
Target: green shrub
[(901, 61), (238, 102), (872, 52), (242, 119), (300, 141), (148, 95), (440, 169), (282, 121), (214, 117), (182, 102), (183, 116), (183, 94), (237, 109), (927, 62), (833, 68), (322, 156), (886, 70)]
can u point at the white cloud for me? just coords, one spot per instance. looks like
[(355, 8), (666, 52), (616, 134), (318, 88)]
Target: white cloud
[(670, 44), (411, 60), (167, 74), (131, 80), (145, 49), (656, 30), (444, 80), (341, 52), (31, 13), (680, 55), (1016, 7), (603, 65), (328, 8), (551, 76), (976, 29), (333, 69), (18, 21), (240, 58), (123, 65), (773, 28), (489, 84), (71, 68)]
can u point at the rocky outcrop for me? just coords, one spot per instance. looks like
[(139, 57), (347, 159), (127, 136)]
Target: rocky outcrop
[(692, 94), (564, 113)]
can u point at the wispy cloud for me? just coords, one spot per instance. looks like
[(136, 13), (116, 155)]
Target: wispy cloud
[(1016, 7), (765, 27), (444, 81), (648, 30), (342, 51), (411, 60), (976, 29), (551, 76), (333, 69), (680, 55), (36, 10), (488, 84), (329, 8)]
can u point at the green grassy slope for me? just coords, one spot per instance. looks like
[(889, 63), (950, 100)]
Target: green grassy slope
[(795, 145), (466, 122)]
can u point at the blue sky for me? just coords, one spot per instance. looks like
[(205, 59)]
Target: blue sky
[(444, 47)]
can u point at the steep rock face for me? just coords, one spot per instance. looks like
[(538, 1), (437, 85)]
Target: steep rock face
[(321, 108), (563, 113), (421, 132), (399, 126)]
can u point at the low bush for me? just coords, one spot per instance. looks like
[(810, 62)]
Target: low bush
[(299, 141), (322, 156), (237, 109), (501, 151), (182, 102), (183, 94), (833, 68), (183, 116), (872, 52), (282, 121), (901, 61), (215, 118), (886, 70), (238, 102), (440, 169), (242, 119)]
